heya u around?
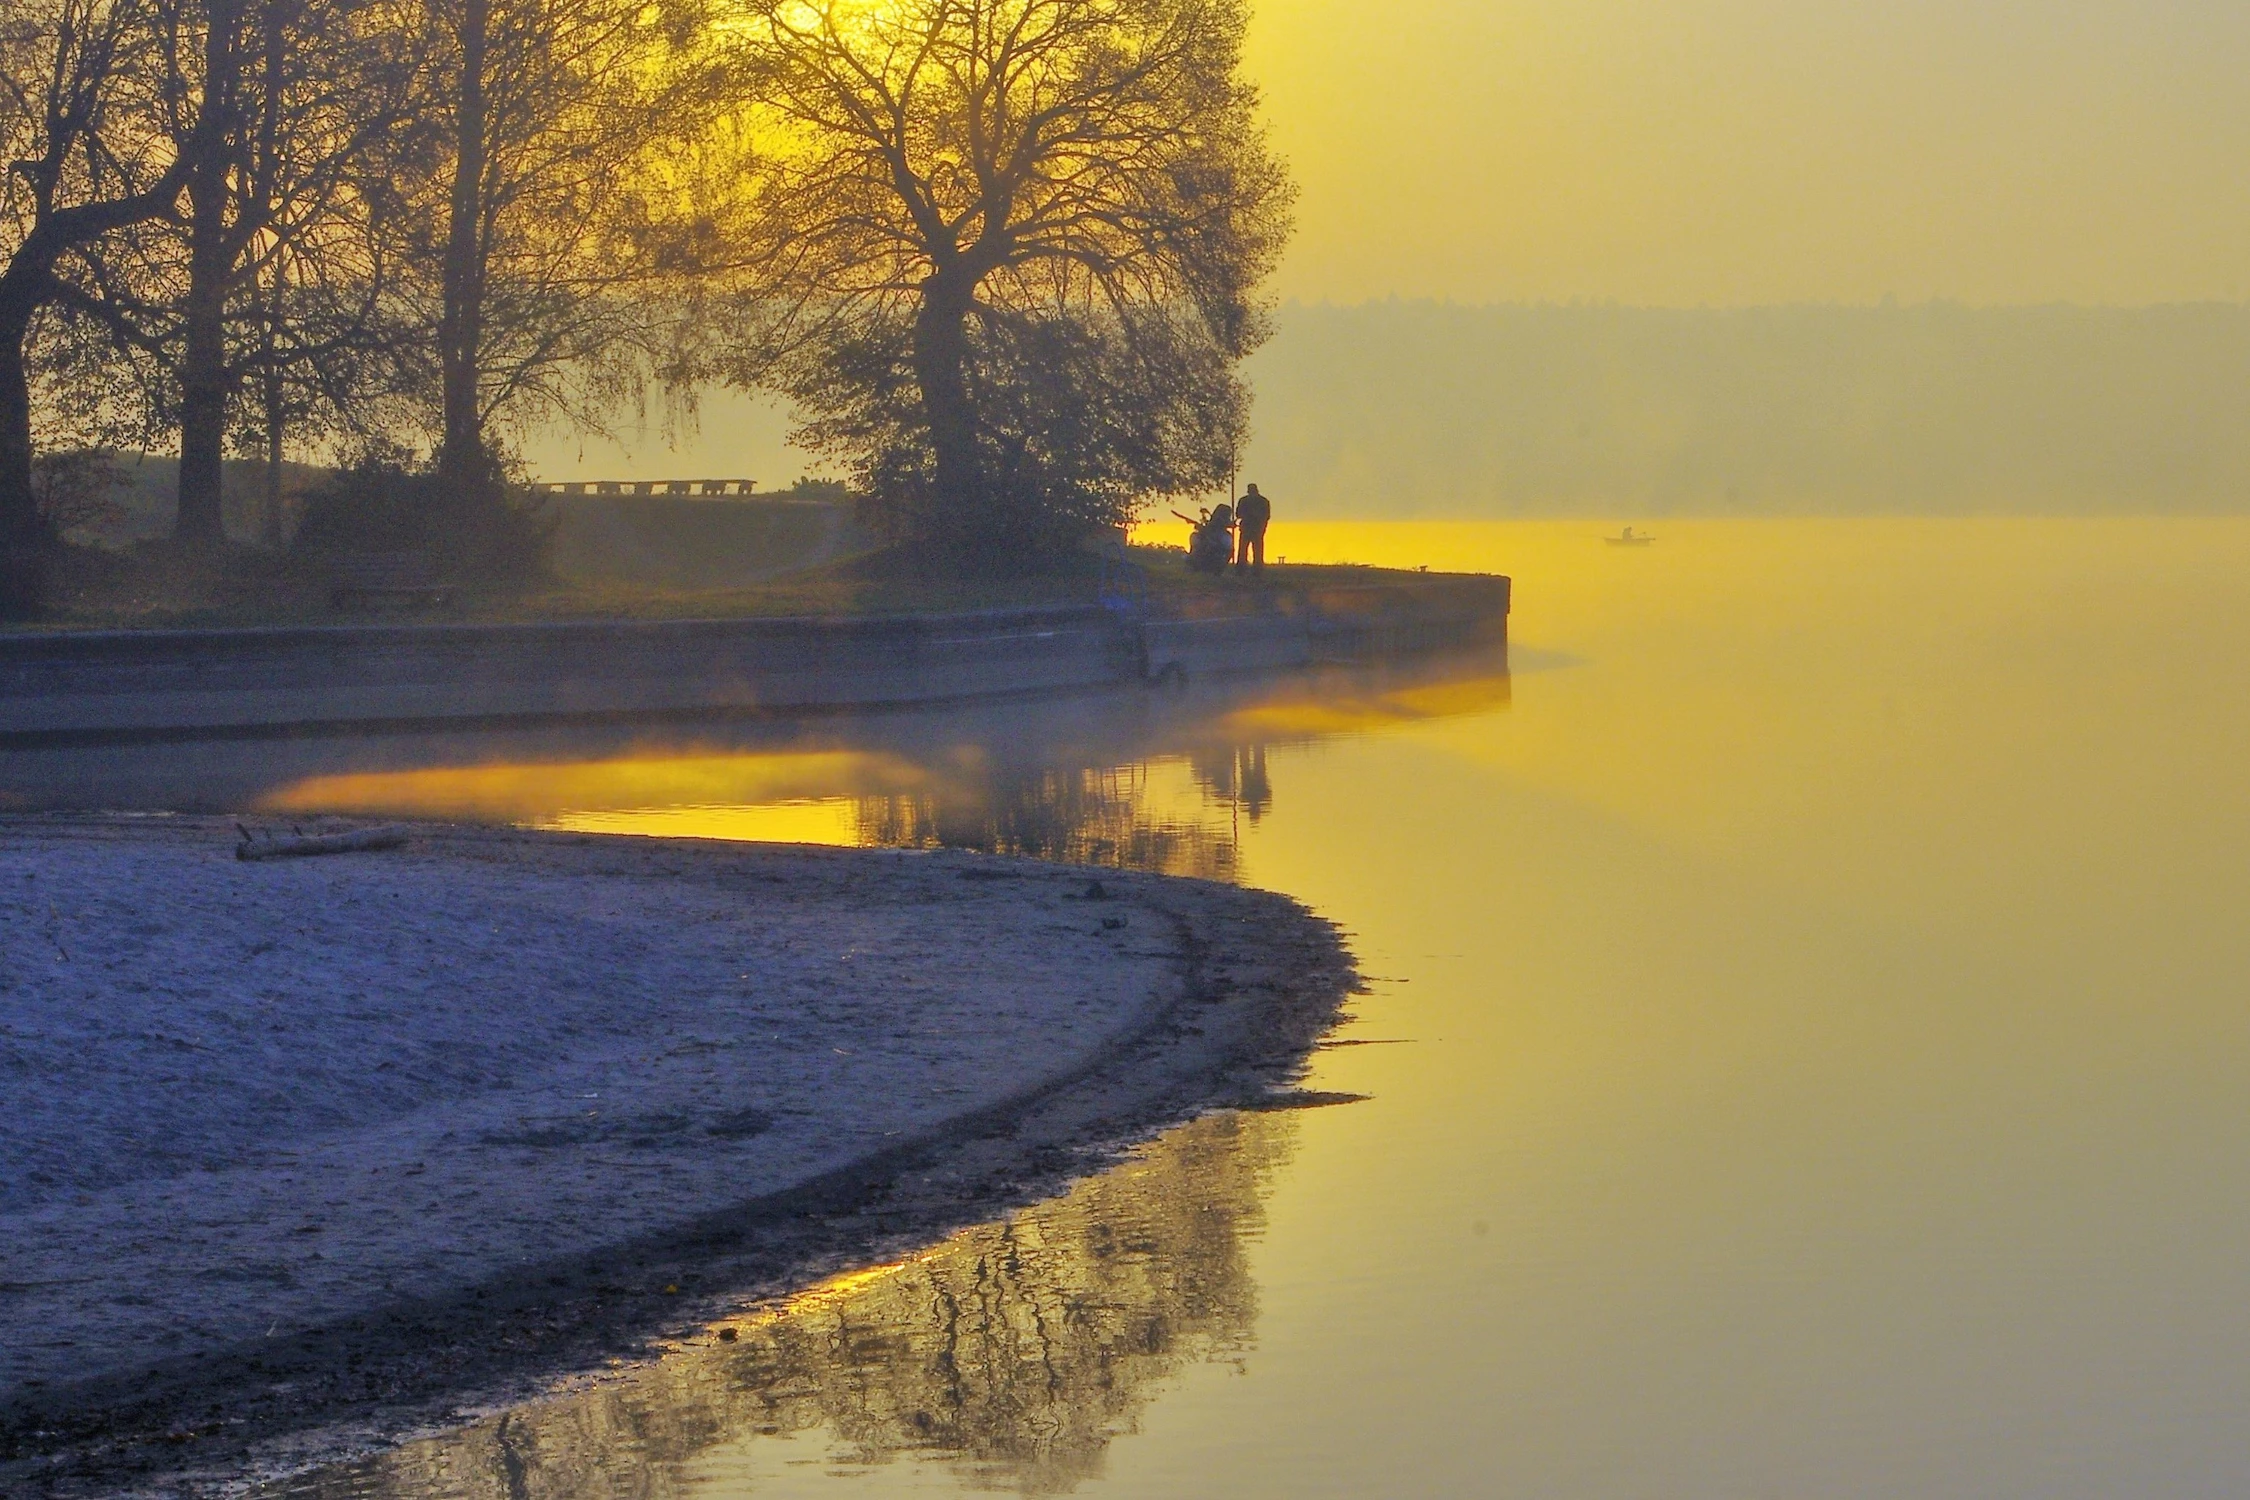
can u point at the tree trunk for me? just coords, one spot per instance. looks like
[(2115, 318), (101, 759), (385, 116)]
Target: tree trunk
[(941, 357), (273, 388), (22, 536), (204, 375), (19, 506), (269, 523), (461, 452), (203, 391)]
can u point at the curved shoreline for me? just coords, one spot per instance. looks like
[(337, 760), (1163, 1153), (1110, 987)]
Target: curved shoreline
[(1249, 983)]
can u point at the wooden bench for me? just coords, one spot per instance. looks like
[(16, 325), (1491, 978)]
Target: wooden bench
[(380, 576)]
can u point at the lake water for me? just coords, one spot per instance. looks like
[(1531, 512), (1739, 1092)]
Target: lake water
[(1813, 1002)]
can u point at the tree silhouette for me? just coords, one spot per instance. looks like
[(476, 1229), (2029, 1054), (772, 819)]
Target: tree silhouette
[(541, 232), (1010, 249), (86, 90), (273, 270)]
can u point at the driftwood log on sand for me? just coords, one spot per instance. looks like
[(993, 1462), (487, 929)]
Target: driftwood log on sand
[(388, 836)]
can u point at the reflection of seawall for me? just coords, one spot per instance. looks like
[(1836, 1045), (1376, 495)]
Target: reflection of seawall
[(128, 683), (1014, 776), (1015, 1350)]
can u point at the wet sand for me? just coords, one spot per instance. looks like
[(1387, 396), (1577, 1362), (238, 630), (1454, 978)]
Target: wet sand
[(305, 1155)]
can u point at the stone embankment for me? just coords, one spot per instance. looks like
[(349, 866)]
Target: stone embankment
[(88, 686)]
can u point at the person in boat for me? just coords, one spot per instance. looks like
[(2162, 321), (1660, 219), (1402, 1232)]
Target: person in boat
[(1251, 518)]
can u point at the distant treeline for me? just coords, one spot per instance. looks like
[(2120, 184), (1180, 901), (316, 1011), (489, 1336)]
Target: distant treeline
[(1432, 409)]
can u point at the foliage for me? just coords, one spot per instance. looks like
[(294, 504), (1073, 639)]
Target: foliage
[(1003, 254), (1080, 419), (272, 280), (476, 532), (77, 491), (826, 491), (1008, 252), (87, 88), (548, 252)]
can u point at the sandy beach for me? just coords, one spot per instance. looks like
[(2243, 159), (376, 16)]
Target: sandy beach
[(306, 1152)]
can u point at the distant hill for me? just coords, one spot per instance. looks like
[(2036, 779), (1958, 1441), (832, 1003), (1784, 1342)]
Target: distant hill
[(150, 498), (1431, 409), (670, 541), (657, 540)]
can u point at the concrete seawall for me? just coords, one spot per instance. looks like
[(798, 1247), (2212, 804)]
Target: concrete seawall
[(135, 684)]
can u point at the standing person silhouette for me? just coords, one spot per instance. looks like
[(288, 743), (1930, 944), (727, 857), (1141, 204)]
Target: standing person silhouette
[(1252, 514)]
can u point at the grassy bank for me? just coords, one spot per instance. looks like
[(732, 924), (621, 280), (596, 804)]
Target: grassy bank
[(152, 588)]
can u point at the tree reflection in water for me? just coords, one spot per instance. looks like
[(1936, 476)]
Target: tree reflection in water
[(1116, 799), (1012, 1352), (1090, 815), (1236, 774)]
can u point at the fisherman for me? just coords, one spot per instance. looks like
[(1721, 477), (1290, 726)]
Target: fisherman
[(1218, 538), (1251, 517), (1210, 539)]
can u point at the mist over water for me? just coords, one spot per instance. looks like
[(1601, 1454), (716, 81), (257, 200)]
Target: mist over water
[(1438, 409), (1433, 409), (1812, 1056)]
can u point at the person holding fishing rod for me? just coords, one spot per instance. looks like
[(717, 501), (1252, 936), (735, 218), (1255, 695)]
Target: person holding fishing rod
[(1211, 541), (1234, 533)]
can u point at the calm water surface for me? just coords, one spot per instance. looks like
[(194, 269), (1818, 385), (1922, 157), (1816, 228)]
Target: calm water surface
[(1815, 997)]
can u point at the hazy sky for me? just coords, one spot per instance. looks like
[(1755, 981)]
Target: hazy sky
[(1680, 152), (1721, 152)]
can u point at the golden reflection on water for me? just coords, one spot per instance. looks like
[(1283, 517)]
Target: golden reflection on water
[(545, 792), (1824, 1049), (1012, 1354), (1175, 806)]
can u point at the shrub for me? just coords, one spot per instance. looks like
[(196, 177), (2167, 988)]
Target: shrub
[(77, 492), (827, 491), (473, 531)]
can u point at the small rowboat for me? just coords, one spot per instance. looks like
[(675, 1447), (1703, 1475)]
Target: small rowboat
[(1627, 539)]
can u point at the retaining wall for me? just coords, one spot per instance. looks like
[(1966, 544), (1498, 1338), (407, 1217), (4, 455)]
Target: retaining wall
[(128, 684)]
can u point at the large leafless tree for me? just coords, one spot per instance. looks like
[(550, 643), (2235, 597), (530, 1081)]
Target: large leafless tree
[(284, 242), (545, 221), (1011, 238), (274, 270), (88, 89)]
